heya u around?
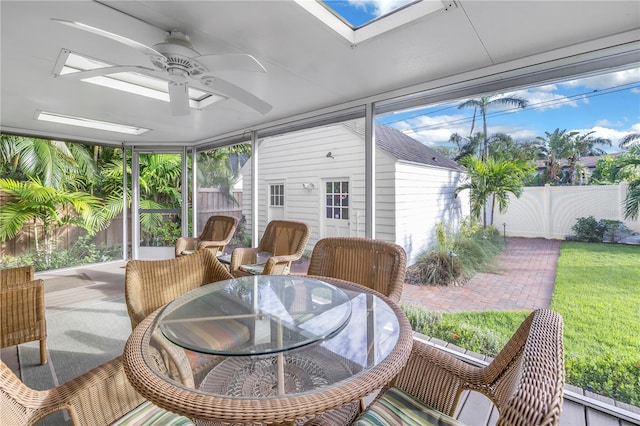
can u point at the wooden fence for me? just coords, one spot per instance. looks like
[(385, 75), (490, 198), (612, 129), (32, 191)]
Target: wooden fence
[(210, 201)]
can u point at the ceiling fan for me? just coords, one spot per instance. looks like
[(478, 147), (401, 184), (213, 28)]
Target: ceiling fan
[(178, 62)]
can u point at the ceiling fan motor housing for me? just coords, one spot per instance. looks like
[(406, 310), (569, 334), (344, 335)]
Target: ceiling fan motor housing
[(178, 56)]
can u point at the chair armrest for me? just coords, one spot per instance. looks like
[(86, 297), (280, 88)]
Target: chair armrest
[(276, 265), (211, 245), (98, 397), (436, 378), (185, 243), (243, 256)]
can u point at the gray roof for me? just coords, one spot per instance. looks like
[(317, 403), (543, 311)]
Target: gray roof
[(406, 148)]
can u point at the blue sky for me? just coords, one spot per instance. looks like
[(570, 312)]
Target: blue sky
[(608, 104), (359, 12)]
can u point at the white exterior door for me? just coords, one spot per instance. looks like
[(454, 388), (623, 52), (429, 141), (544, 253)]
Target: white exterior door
[(276, 200), (336, 222)]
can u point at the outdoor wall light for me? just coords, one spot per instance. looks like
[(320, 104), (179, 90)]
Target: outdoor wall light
[(308, 186), (330, 155)]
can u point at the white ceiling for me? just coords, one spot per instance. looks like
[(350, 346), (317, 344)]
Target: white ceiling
[(310, 68)]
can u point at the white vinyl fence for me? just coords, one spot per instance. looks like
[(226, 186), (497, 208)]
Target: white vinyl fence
[(551, 211)]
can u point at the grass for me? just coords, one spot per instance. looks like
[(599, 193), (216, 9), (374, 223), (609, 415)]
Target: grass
[(597, 291)]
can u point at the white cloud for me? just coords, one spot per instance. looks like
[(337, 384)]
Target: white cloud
[(379, 7), (541, 98), (606, 81)]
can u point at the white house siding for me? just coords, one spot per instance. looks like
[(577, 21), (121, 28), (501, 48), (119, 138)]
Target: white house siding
[(410, 198), (425, 197), (301, 157)]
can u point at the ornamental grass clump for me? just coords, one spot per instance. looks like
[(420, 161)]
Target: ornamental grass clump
[(456, 256)]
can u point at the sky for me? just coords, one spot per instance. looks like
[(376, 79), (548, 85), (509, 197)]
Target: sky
[(607, 104)]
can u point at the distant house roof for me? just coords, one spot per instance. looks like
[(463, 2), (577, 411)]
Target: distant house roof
[(404, 147), (588, 161)]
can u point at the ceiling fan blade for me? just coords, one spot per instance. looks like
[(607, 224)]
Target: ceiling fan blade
[(121, 39), (235, 92), (234, 62), (82, 75), (179, 98)]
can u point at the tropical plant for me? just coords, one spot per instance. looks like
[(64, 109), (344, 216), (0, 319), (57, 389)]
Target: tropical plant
[(625, 167), (488, 102), (473, 146), (630, 140), (630, 169), (492, 180), (54, 163), (46, 207), (220, 168), (561, 144)]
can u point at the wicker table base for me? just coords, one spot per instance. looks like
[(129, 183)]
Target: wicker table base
[(258, 376)]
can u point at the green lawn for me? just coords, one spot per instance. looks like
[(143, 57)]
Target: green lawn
[(597, 292)]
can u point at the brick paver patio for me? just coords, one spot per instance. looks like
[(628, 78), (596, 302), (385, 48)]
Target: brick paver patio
[(524, 280)]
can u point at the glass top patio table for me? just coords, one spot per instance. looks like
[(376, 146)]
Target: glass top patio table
[(268, 349), (284, 314)]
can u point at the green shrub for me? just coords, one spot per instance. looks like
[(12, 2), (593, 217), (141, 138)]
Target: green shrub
[(589, 229), (449, 328), (419, 318), (83, 251), (618, 378)]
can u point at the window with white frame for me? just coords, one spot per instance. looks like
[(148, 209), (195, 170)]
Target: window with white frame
[(276, 195)]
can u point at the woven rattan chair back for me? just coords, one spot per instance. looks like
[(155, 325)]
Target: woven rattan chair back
[(98, 397), (22, 317), (525, 380), (150, 284), (217, 233), (19, 274), (376, 264), (285, 240)]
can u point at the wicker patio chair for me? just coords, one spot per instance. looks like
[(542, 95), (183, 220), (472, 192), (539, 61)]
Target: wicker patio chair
[(283, 242), (376, 264), (216, 234), (22, 317), (101, 396), (150, 284), (525, 381)]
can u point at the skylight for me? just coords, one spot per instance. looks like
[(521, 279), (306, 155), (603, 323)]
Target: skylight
[(130, 82), (360, 13), (360, 20), (90, 123)]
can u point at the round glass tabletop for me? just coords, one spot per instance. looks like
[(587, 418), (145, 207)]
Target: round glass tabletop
[(255, 315)]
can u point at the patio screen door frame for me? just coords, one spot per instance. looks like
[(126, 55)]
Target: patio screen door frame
[(136, 211)]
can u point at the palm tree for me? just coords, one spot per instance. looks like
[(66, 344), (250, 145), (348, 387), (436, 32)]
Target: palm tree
[(582, 145), (553, 147), (55, 163), (473, 146), (495, 180), (629, 170), (31, 201), (485, 103), (630, 140)]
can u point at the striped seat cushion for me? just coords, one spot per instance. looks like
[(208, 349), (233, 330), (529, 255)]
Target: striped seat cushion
[(254, 269), (149, 414), (216, 335), (258, 269), (397, 408)]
